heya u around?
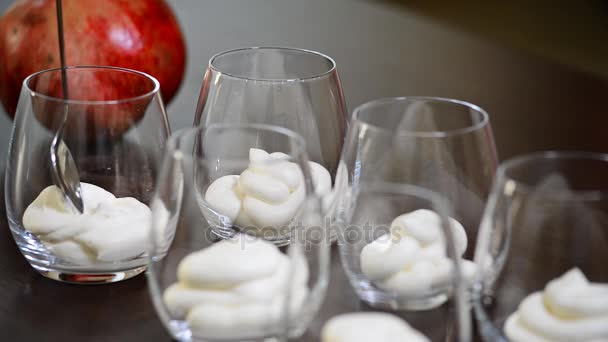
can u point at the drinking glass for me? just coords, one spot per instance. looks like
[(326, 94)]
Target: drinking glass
[(440, 144), (272, 307), (390, 269), (115, 128), (547, 216), (292, 88)]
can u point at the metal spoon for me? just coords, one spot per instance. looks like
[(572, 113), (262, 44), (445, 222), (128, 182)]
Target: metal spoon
[(63, 167)]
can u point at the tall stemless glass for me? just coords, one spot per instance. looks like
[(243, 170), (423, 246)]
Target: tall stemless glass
[(115, 129), (243, 287), (440, 144), (543, 246), (292, 88)]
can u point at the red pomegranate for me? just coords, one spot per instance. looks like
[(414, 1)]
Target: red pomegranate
[(137, 34)]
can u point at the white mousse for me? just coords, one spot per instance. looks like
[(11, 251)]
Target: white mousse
[(369, 326), (411, 259), (268, 193), (236, 288), (569, 309), (110, 229)]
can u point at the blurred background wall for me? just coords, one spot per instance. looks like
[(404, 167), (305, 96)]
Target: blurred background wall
[(537, 99)]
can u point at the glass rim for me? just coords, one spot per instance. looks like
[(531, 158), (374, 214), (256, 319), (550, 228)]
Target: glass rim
[(324, 74), (585, 195), (150, 93), (424, 134), (175, 151)]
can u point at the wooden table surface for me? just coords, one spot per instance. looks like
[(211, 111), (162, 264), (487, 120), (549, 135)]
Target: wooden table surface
[(381, 51)]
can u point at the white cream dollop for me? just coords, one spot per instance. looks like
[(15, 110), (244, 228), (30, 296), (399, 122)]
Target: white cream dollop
[(267, 194), (369, 326), (411, 259), (110, 229), (569, 309), (236, 288)]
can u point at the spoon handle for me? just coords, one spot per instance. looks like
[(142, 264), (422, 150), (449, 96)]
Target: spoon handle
[(63, 167), (64, 74)]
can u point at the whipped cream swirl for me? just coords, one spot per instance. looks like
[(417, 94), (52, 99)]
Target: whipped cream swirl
[(268, 193), (110, 229), (411, 260), (236, 288), (569, 309), (369, 326)]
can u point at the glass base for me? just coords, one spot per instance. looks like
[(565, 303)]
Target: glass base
[(180, 332), (381, 301), (91, 278), (278, 241)]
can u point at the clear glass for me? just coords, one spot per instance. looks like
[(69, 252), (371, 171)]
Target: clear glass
[(292, 88), (547, 214), (181, 226), (374, 245), (440, 144), (229, 147), (116, 129)]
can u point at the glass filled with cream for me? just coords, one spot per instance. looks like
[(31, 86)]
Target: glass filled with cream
[(216, 272), (542, 250), (402, 251), (115, 128), (293, 88), (258, 181)]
